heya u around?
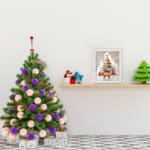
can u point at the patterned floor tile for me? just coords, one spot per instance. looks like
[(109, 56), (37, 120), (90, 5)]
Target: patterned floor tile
[(98, 142)]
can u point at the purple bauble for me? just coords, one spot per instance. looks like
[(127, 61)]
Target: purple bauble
[(52, 130), (24, 71), (31, 136), (14, 130), (32, 107), (18, 81), (42, 91), (56, 116), (12, 96), (35, 81), (25, 88), (39, 117), (43, 74), (49, 94), (10, 110)]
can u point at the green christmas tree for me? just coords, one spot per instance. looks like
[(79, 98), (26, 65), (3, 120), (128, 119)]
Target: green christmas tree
[(107, 68), (142, 73), (34, 108)]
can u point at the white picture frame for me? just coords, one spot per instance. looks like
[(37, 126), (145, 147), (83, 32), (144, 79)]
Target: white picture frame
[(107, 65)]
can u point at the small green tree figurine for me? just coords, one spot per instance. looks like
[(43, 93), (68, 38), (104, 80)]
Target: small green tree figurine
[(34, 108), (142, 73)]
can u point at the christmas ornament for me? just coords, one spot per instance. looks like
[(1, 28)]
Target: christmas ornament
[(35, 71), (30, 92), (23, 83), (31, 38), (52, 130), (20, 114), (18, 98), (10, 110), (54, 99), (32, 107), (43, 107), (18, 81), (42, 91), (31, 49), (14, 130), (25, 87), (42, 133), (24, 71), (34, 81), (20, 107), (62, 121), (31, 136), (39, 117), (55, 116), (43, 74), (48, 118), (31, 124), (49, 94), (12, 121), (23, 132), (37, 100)]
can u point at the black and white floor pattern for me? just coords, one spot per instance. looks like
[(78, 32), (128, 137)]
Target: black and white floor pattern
[(101, 142)]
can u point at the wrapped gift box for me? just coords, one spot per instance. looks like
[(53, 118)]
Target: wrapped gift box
[(11, 140), (30, 144), (61, 139), (60, 134)]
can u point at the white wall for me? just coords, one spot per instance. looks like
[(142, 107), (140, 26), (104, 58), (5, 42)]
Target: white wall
[(65, 32)]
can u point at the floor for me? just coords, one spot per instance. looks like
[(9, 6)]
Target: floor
[(102, 142)]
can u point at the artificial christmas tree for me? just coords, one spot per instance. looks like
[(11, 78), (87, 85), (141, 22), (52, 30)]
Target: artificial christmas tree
[(107, 68), (142, 73), (34, 108)]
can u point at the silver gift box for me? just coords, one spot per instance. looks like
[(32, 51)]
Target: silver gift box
[(30, 144), (61, 139)]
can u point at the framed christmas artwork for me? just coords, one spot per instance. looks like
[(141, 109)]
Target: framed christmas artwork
[(107, 65)]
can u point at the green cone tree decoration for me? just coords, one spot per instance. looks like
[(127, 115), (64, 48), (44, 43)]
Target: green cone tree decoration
[(142, 73), (34, 108)]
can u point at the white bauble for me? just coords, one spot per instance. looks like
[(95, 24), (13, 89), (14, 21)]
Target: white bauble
[(35, 71), (55, 99), (48, 118)]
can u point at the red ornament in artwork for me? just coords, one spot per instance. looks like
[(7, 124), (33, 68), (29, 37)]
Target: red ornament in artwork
[(31, 37)]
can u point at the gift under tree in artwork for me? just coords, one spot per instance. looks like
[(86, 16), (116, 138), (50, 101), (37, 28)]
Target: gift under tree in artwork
[(33, 108), (142, 73)]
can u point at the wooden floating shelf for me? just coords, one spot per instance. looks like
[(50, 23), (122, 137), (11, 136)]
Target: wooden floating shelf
[(92, 85)]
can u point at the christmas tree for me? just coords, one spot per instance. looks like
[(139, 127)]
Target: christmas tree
[(107, 68), (142, 73), (34, 108)]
